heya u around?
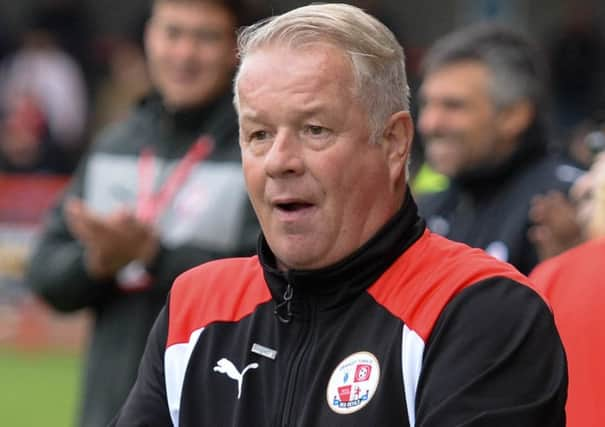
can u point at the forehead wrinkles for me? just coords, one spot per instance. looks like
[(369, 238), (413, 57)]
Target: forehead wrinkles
[(310, 70)]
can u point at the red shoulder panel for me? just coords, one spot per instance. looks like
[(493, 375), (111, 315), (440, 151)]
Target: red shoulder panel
[(221, 290), (429, 274)]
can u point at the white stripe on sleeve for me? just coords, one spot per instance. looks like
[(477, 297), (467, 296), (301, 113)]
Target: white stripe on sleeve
[(412, 349), (176, 360)]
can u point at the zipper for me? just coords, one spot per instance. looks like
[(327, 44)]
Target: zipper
[(286, 305), (295, 369)]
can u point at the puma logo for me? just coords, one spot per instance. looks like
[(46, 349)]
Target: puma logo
[(225, 366)]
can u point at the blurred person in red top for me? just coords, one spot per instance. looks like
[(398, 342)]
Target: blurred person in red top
[(574, 284), (44, 76), (23, 136)]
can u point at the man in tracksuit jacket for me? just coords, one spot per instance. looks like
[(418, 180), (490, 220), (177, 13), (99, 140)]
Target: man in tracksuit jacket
[(353, 313), (169, 174), (484, 123)]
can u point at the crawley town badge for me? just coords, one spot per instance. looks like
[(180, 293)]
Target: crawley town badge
[(353, 383)]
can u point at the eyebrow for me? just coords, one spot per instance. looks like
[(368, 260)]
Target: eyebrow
[(207, 29), (249, 114), (314, 110)]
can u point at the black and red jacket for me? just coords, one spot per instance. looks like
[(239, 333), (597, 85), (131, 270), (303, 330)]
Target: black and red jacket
[(410, 330)]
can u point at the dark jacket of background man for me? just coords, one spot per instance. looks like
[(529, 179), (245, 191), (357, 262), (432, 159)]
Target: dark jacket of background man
[(485, 126), (170, 175)]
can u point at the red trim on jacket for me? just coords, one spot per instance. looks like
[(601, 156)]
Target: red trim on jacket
[(234, 287), (432, 272), (445, 269)]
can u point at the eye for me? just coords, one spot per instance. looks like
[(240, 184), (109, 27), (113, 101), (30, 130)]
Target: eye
[(454, 104), (172, 32), (317, 137), (208, 35), (259, 135), (315, 130)]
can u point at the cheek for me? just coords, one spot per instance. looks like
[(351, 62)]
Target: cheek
[(337, 175), (218, 58), (347, 179), (353, 183), (161, 52), (254, 177), (479, 139)]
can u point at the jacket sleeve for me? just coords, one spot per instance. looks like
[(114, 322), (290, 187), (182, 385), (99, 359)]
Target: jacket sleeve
[(57, 273), (56, 270), (493, 359), (147, 405)]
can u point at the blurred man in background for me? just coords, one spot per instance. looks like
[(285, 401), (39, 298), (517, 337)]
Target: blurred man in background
[(561, 221), (484, 125), (574, 284), (158, 193)]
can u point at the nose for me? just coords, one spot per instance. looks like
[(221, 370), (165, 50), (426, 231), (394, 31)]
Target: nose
[(185, 47), (285, 157), (429, 119)]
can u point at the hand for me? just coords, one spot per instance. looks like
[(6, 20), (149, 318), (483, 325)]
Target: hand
[(110, 242), (555, 226), (589, 195), (598, 219)]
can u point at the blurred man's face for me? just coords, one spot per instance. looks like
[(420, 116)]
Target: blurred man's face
[(191, 52), (458, 122), (588, 193), (319, 187)]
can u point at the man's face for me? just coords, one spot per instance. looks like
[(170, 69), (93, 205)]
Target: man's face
[(458, 121), (191, 52), (319, 187)]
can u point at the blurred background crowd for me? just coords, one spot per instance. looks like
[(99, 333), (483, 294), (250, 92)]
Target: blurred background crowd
[(69, 68)]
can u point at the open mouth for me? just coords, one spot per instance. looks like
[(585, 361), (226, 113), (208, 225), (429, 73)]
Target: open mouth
[(293, 207)]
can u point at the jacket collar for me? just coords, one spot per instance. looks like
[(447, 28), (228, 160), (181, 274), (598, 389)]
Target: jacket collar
[(482, 180), (336, 284), (190, 118)]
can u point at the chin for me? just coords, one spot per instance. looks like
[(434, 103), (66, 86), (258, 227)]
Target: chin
[(181, 103), (183, 96), (296, 261)]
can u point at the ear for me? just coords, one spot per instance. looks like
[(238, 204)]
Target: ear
[(515, 119), (397, 142)]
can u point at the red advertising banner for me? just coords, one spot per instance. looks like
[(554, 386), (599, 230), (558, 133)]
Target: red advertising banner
[(24, 199), (25, 322)]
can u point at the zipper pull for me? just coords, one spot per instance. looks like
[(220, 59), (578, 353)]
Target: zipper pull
[(287, 303)]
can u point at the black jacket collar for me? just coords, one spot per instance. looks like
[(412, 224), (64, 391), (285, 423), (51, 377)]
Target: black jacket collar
[(331, 286), (190, 118), (484, 180)]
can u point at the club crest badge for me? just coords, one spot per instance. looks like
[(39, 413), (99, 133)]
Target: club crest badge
[(353, 383)]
